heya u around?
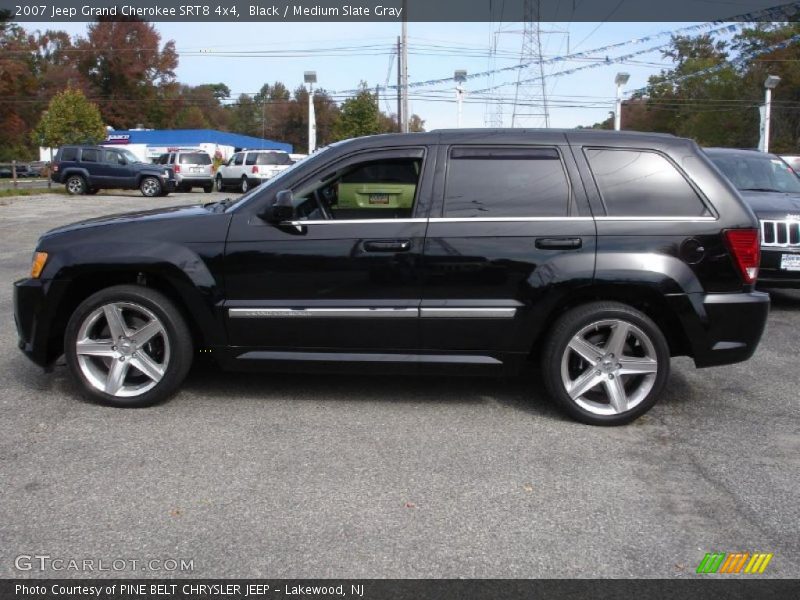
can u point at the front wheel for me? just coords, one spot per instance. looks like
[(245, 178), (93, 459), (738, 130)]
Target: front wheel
[(605, 363), (128, 346), (220, 186), (150, 187)]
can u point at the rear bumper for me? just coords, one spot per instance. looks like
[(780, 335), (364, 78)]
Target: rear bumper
[(722, 328), (198, 180)]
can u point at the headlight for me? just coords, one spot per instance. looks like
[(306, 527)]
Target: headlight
[(39, 260)]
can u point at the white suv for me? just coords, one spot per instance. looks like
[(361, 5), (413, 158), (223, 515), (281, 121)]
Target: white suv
[(250, 168)]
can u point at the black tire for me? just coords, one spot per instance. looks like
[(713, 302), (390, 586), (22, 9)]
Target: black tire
[(244, 185), (175, 328), (150, 187), (220, 185), (76, 185), (556, 355), (208, 188)]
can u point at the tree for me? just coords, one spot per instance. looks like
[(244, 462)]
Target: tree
[(70, 119), (126, 69), (359, 116)]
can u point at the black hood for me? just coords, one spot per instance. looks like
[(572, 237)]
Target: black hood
[(773, 203)]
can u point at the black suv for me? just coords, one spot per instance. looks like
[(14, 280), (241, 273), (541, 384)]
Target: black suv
[(88, 169), (598, 254), (772, 189)]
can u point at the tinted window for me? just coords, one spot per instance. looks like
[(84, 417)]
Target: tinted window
[(251, 159), (636, 183), (90, 155), (238, 158), (506, 182), (273, 158), (757, 171), (195, 158), (68, 154)]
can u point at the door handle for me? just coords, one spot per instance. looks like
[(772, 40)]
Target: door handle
[(559, 243), (387, 245)]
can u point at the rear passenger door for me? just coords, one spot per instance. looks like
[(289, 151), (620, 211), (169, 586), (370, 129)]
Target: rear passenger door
[(511, 235)]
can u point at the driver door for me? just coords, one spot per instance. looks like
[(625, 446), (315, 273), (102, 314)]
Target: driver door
[(344, 275)]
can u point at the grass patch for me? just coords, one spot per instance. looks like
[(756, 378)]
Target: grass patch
[(11, 192)]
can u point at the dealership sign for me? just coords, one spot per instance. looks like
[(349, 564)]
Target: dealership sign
[(118, 138)]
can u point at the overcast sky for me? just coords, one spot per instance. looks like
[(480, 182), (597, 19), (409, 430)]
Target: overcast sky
[(582, 98)]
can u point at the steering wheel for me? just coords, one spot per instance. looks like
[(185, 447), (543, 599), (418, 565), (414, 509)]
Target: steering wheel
[(322, 204)]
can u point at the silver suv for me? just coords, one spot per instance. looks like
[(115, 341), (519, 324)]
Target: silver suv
[(192, 169)]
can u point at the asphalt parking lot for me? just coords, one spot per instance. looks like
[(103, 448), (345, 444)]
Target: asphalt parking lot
[(325, 476)]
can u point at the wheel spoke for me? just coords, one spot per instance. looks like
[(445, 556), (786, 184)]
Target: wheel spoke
[(586, 350), (95, 348), (616, 341), (116, 377), (587, 380), (637, 366), (146, 333), (147, 366), (116, 324), (616, 394)]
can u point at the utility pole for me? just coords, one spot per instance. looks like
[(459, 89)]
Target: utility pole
[(404, 84), (460, 77), (399, 84), (311, 78)]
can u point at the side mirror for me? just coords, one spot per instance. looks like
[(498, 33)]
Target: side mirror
[(281, 210)]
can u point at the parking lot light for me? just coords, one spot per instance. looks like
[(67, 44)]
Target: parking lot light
[(770, 84), (620, 80)]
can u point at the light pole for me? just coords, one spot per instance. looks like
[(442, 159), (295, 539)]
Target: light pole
[(769, 84), (621, 79), (460, 76), (310, 78)]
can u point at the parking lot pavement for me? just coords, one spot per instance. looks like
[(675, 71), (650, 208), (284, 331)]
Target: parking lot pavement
[(327, 476)]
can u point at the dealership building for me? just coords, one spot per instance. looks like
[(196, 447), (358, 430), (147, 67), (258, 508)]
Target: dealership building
[(149, 144)]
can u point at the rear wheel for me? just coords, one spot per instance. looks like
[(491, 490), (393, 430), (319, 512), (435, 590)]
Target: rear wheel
[(605, 363), (128, 346), (76, 185), (150, 187), (244, 185)]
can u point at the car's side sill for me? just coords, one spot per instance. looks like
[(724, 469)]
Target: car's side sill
[(369, 357)]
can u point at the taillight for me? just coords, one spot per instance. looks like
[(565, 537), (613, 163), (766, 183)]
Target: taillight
[(55, 167), (745, 247), (254, 169), (177, 168)]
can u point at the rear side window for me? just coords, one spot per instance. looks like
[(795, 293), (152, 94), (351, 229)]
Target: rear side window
[(640, 183), (273, 158), (90, 155), (506, 182), (195, 158), (67, 154), (251, 158)]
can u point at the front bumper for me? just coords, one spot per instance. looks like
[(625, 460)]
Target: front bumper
[(34, 315), (770, 274), (722, 328)]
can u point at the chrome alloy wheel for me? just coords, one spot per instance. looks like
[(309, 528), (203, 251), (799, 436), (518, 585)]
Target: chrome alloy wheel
[(150, 187), (609, 367), (123, 349), (75, 185)]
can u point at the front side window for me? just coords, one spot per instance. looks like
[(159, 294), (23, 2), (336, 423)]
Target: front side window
[(90, 155), (114, 157), (642, 183), (373, 189), (506, 182)]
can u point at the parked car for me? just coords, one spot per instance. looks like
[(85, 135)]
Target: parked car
[(191, 168), (88, 169), (37, 168), (793, 161), (771, 188), (5, 171), (598, 255), (250, 168)]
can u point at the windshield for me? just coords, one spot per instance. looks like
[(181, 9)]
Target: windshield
[(279, 177), (129, 156), (757, 172)]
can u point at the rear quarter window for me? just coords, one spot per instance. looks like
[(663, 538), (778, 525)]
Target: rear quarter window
[(642, 183), (66, 154)]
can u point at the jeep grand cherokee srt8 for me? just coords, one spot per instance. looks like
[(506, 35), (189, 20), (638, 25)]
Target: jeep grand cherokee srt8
[(598, 254)]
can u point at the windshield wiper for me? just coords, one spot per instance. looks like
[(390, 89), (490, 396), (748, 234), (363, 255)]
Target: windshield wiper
[(761, 190)]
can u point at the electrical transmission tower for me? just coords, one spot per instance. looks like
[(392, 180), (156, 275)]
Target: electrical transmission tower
[(530, 93)]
